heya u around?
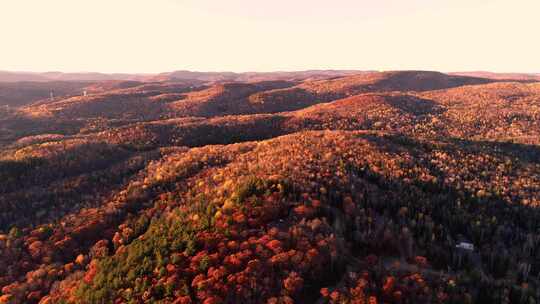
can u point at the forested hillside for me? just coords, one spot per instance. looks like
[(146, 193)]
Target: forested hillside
[(314, 187)]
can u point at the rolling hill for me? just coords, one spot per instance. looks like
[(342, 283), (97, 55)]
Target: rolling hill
[(308, 187)]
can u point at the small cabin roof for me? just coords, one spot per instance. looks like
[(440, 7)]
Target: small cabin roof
[(465, 245)]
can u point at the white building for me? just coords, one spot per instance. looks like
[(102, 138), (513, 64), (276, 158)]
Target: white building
[(465, 245)]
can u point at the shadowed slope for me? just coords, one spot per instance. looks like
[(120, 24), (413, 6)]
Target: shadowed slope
[(465, 112)]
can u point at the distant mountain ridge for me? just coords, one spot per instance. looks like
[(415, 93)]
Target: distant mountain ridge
[(225, 76), (12, 76), (501, 76), (9, 76)]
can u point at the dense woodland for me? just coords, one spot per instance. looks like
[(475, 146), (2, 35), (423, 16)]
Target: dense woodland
[(392, 187)]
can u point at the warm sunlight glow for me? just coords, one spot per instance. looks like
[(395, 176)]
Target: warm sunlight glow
[(242, 35)]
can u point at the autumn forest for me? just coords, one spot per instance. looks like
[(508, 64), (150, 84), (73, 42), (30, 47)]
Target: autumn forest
[(396, 187)]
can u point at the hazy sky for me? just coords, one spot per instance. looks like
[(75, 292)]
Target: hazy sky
[(263, 35)]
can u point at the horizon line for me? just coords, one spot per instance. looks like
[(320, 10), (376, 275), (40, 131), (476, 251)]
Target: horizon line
[(265, 71)]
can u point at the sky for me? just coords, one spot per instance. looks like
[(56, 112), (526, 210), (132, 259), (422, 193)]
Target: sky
[(142, 36)]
